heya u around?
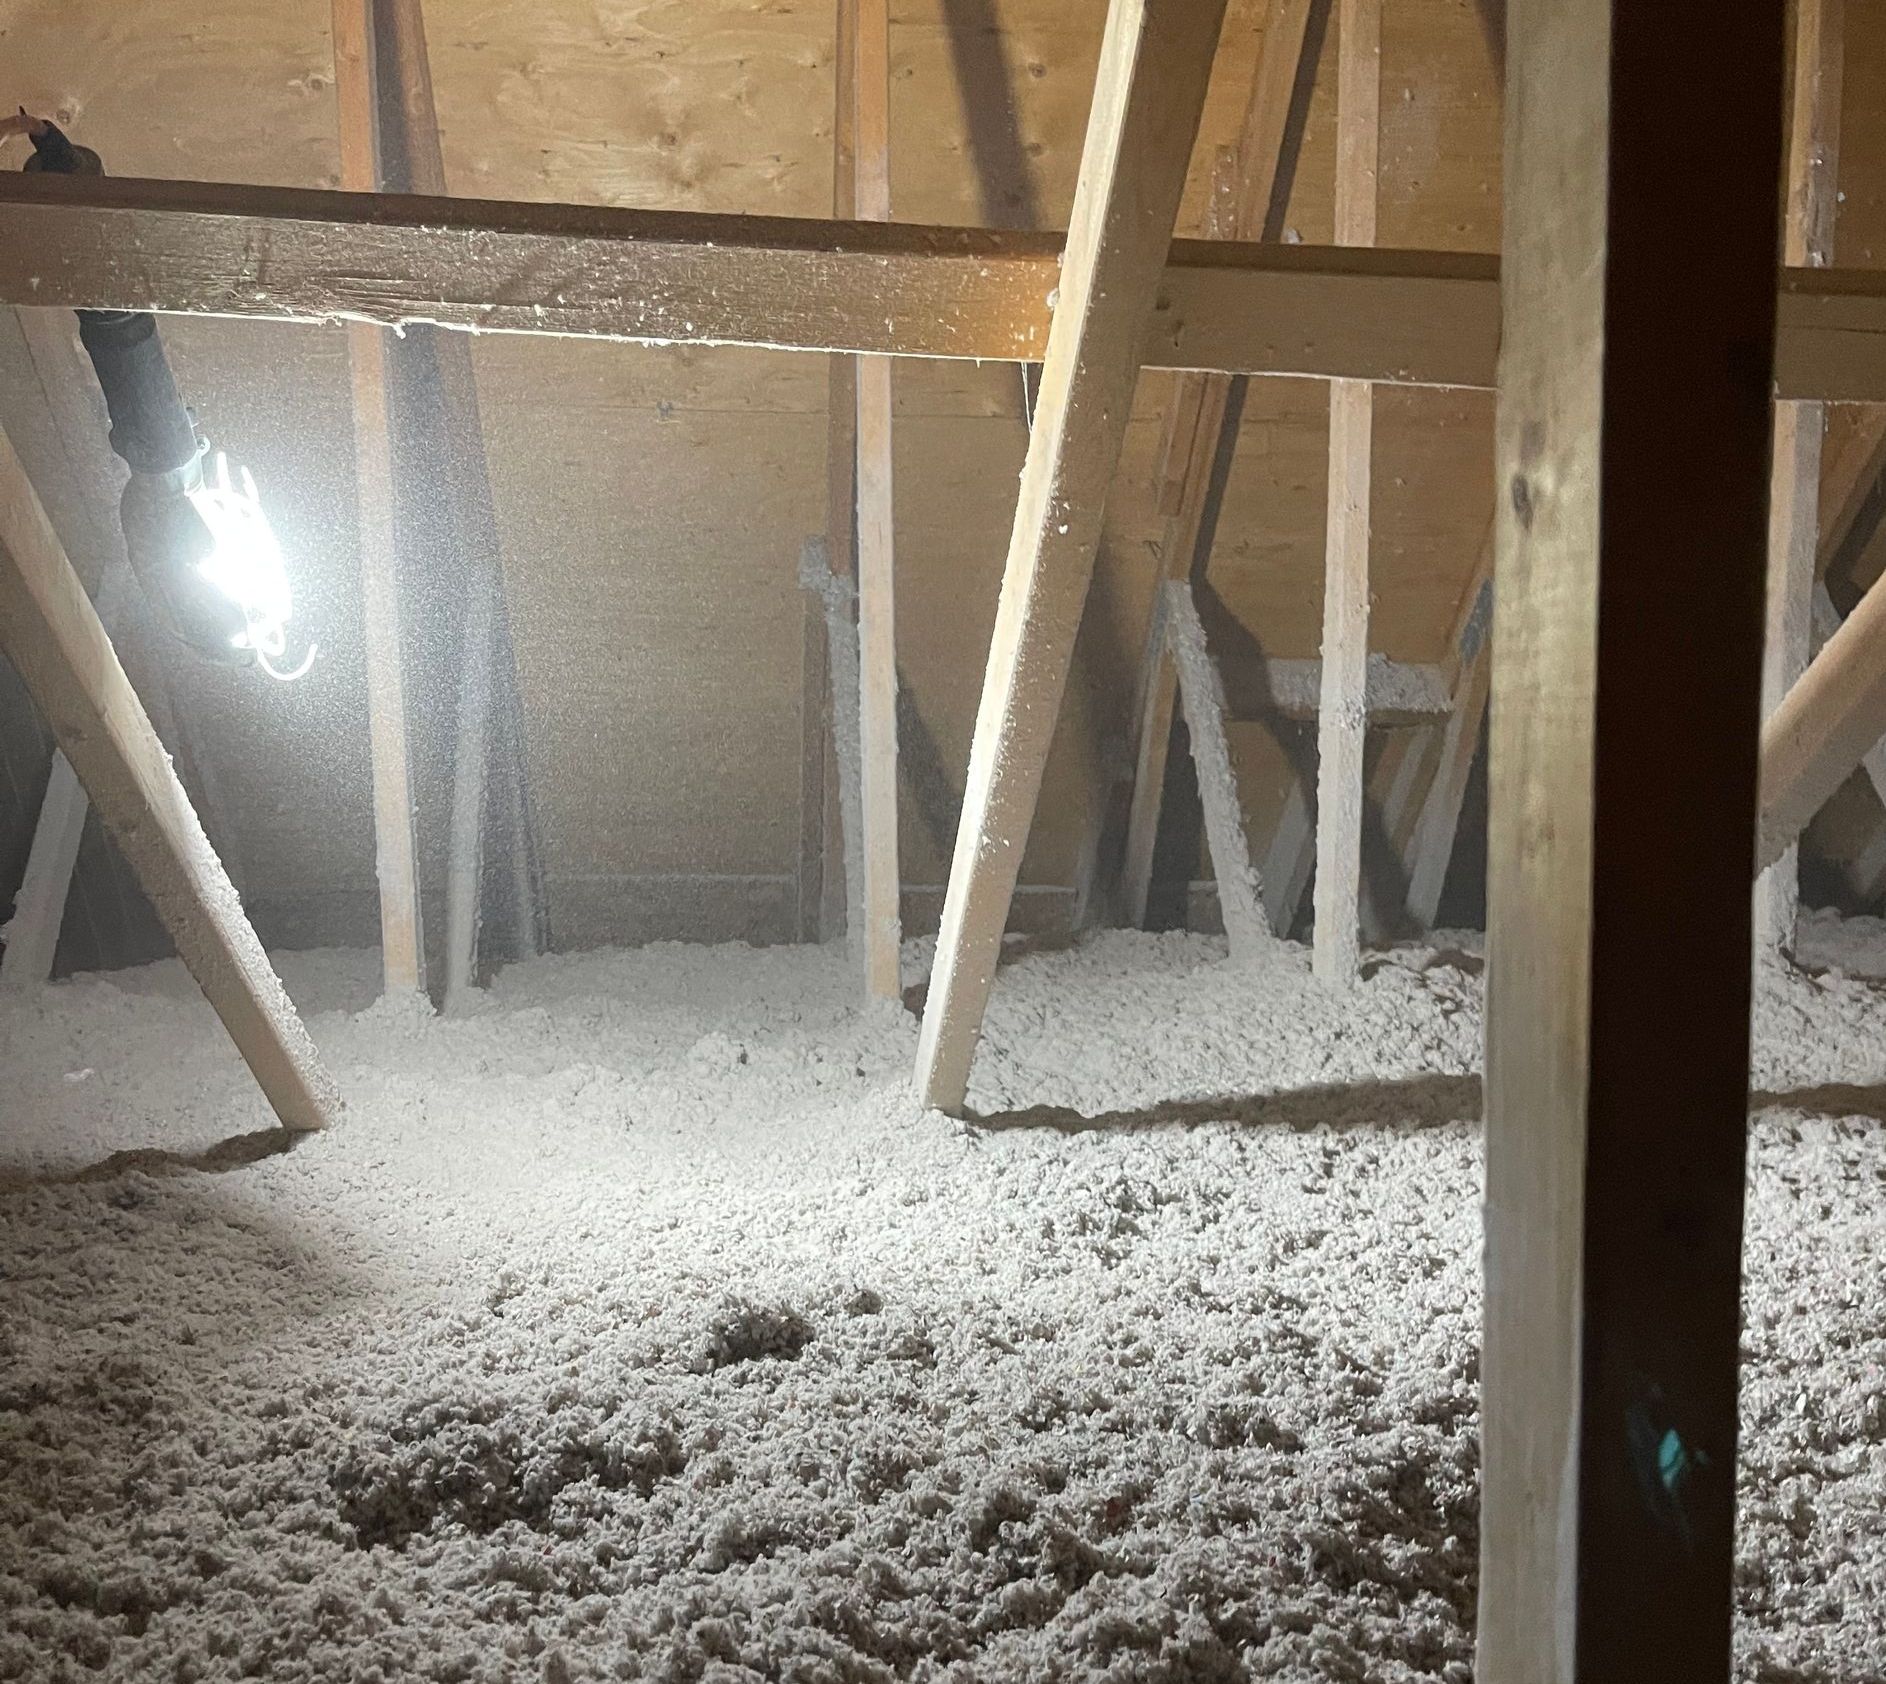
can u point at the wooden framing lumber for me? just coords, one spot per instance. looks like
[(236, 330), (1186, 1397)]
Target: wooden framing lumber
[(1793, 498), (1240, 892), (1828, 712), (396, 864), (1642, 174), (1828, 343), (809, 877), (1853, 475), (39, 906), (79, 418), (1392, 317), (302, 254), (32, 933), (1342, 719), (1249, 199), (1825, 726), (1200, 404), (436, 396), (822, 890), (835, 595), (1439, 823), (1155, 61), (1403, 318), (1826, 623), (1799, 428), (465, 851), (51, 633), (412, 158), (879, 937), (1288, 860)]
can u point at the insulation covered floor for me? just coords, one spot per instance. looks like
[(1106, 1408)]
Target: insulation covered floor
[(641, 1326)]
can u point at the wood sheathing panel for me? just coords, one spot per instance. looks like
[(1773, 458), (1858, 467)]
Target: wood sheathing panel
[(652, 503)]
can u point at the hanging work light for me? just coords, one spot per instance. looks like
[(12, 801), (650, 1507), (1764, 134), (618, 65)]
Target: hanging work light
[(198, 540)]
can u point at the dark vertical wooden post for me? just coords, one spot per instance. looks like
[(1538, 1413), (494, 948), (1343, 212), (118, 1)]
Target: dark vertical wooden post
[(1643, 150)]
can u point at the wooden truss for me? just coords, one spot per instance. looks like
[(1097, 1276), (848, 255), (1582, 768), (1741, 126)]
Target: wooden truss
[(1640, 294)]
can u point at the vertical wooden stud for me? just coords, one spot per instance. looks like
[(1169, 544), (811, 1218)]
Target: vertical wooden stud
[(880, 937), (1343, 716), (1643, 150)]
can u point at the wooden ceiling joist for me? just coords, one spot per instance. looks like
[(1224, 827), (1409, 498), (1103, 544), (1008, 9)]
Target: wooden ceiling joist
[(1396, 318), (1155, 62), (671, 277)]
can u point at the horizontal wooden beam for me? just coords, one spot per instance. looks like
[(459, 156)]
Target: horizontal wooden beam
[(297, 254), (1420, 318), (1398, 692)]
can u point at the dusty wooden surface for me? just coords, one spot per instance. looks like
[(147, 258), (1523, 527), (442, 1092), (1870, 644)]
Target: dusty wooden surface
[(1154, 70), (656, 595), (1640, 240), (1342, 715), (1204, 412), (51, 634), (396, 868), (1807, 238)]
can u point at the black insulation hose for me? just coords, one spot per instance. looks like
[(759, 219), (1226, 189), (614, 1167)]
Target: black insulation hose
[(150, 426)]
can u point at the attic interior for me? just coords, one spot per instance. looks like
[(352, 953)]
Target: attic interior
[(979, 840)]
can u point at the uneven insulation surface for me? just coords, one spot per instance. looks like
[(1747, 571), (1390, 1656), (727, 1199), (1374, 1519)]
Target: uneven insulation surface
[(641, 1326)]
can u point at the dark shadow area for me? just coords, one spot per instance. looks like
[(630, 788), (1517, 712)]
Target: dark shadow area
[(1493, 27), (1441, 959), (238, 1152), (1425, 1101), (1463, 903), (990, 116), (1016, 946), (1829, 1099), (924, 772), (1418, 1101)]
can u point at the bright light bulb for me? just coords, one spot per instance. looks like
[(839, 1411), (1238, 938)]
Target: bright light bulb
[(245, 564)]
